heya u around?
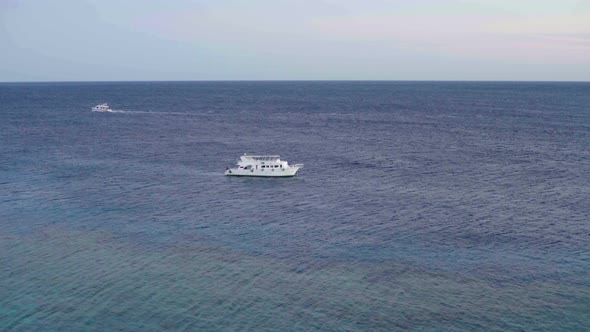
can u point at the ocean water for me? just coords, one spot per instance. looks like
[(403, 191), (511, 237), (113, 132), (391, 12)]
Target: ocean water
[(423, 206)]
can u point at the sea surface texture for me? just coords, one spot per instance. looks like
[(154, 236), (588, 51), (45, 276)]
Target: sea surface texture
[(422, 206)]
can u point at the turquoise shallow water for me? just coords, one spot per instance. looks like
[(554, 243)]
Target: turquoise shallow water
[(422, 206), (77, 281)]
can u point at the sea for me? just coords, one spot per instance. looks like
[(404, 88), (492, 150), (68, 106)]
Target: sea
[(422, 206)]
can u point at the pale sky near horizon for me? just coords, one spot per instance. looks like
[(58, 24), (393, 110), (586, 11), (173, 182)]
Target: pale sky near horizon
[(116, 40)]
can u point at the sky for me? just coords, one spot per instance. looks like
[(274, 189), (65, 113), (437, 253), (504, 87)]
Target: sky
[(137, 40)]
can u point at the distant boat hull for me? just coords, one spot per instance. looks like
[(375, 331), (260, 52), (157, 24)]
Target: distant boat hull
[(102, 108)]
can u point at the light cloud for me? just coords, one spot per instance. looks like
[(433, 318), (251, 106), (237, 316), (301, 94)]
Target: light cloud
[(297, 39)]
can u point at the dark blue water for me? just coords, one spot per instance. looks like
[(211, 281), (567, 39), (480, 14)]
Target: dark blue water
[(422, 206)]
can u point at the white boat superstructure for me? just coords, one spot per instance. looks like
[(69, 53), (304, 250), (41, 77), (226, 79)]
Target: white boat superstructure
[(263, 165), (102, 108)]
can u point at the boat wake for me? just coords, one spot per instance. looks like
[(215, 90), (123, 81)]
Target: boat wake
[(148, 112), (104, 108)]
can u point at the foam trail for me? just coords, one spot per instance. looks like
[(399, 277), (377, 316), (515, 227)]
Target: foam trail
[(149, 112)]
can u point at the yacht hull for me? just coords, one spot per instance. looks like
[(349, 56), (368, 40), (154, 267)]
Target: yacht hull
[(270, 173)]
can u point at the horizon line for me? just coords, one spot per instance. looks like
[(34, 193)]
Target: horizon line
[(299, 80)]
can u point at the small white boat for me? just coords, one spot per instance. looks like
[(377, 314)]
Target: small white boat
[(263, 165), (102, 108)]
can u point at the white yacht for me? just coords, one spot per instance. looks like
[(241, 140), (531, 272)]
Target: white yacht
[(102, 108), (263, 165)]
